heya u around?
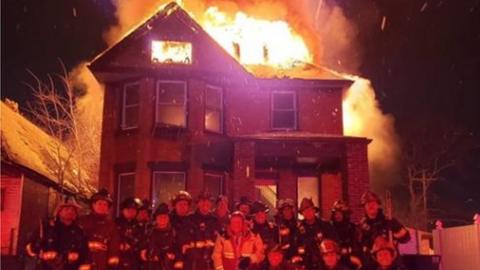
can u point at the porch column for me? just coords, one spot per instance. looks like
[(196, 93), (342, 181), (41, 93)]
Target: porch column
[(244, 170), (356, 161), (287, 184)]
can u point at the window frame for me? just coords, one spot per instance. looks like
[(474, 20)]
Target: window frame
[(119, 175), (221, 109), (216, 174), (273, 110), (157, 104), (155, 172), (123, 124), (191, 52)]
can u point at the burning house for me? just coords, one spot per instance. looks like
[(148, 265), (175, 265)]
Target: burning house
[(182, 112)]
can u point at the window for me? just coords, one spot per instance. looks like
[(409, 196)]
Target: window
[(125, 187), (166, 185), (284, 110), (213, 183), (266, 191), (171, 103), (130, 106), (171, 52), (214, 109)]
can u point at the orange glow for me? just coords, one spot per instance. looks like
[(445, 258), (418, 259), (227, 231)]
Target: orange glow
[(171, 52), (255, 41)]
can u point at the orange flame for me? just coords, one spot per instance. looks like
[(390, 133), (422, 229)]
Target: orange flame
[(171, 52), (256, 41)]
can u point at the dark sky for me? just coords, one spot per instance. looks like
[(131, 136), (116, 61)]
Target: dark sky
[(425, 66)]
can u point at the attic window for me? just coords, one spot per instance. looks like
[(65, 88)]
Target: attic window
[(171, 52)]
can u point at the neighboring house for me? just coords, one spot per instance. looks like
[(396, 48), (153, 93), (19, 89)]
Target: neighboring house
[(181, 113), (28, 185)]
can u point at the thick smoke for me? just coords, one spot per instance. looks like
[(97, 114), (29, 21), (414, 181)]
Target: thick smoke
[(89, 113)]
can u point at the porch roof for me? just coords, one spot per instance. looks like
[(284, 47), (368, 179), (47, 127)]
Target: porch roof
[(300, 136)]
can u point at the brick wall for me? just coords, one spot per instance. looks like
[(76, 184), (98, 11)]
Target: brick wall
[(356, 163), (331, 189)]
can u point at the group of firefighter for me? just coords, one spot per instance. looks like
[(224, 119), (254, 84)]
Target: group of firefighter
[(172, 237)]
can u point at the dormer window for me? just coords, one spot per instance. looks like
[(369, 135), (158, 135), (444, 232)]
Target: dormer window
[(171, 52)]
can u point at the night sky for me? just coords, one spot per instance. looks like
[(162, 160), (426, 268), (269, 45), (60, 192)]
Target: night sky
[(424, 65)]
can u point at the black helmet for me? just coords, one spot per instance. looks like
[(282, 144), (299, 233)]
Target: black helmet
[(131, 202), (259, 206), (162, 209), (307, 203), (146, 205), (102, 194), (369, 196), (243, 201), (381, 243)]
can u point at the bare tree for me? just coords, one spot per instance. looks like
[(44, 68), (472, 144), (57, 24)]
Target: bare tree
[(428, 156), (72, 156)]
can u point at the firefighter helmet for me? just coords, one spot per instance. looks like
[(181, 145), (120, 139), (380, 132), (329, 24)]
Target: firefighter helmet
[(162, 209), (307, 203), (146, 205), (381, 243), (329, 246), (259, 206), (131, 202), (369, 196), (285, 203), (101, 195), (237, 214), (340, 206), (182, 195), (243, 201), (67, 202)]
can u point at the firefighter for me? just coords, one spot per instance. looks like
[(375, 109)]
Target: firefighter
[(180, 217), (312, 230), (375, 224), (101, 232), (385, 256), (221, 212), (287, 227), (60, 243), (244, 205), (205, 231), (144, 215), (347, 233), (331, 256), (276, 260), (268, 231), (158, 249), (238, 247), (130, 233)]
